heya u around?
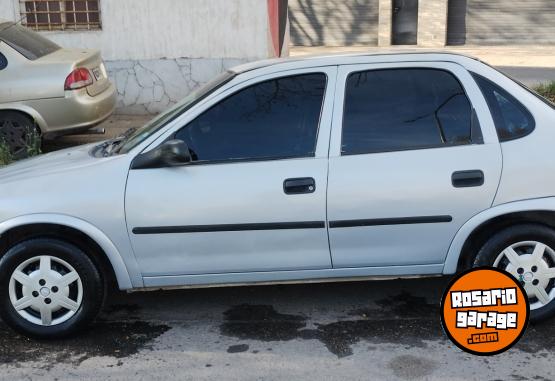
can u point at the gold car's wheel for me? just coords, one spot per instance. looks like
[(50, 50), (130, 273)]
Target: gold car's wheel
[(16, 130)]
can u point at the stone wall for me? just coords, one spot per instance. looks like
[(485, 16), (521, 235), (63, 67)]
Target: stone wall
[(151, 86), (142, 41), (432, 23)]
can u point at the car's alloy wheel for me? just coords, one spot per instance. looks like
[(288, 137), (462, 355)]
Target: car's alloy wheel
[(533, 264), (527, 252), (49, 288), (46, 290)]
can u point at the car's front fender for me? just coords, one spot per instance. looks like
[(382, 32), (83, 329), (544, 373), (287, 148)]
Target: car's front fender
[(120, 270), (455, 249)]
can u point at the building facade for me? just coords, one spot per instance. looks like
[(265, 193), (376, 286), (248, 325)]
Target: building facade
[(157, 51), (427, 23)]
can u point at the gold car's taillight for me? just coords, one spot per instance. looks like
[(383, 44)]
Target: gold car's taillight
[(78, 79)]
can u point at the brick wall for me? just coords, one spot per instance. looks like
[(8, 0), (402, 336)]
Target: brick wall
[(432, 23)]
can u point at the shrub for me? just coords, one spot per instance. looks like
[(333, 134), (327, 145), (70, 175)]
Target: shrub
[(547, 90), (32, 148), (6, 156)]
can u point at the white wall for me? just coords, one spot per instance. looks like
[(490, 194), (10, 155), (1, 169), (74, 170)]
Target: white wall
[(153, 29), (157, 51), (7, 10)]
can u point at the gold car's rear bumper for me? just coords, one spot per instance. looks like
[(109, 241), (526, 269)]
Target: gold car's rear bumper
[(77, 111)]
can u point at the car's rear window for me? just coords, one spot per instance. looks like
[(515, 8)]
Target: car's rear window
[(28, 43)]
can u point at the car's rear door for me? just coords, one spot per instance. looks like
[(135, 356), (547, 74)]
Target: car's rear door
[(413, 156), (254, 197)]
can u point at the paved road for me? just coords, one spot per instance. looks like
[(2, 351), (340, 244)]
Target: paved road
[(386, 330), (530, 76)]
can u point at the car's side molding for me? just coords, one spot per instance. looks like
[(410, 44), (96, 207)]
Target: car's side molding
[(390, 221), (120, 269), (536, 204), (229, 227), (290, 225)]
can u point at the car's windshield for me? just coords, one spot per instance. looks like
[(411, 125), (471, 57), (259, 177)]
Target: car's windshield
[(28, 43), (163, 119)]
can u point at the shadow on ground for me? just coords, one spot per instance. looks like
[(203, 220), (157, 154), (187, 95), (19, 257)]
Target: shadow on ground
[(403, 313)]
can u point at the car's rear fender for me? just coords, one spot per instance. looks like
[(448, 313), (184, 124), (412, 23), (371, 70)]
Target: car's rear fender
[(545, 204), (120, 270), (25, 109)]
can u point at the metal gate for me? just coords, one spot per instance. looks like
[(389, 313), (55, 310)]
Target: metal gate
[(501, 22), (333, 23)]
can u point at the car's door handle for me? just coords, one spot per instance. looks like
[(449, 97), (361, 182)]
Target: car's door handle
[(299, 185), (465, 179)]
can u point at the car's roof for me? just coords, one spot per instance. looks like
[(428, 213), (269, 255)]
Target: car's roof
[(353, 58)]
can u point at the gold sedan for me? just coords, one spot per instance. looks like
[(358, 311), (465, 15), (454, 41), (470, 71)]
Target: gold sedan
[(47, 89)]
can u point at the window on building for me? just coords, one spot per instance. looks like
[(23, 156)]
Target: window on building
[(61, 15), (275, 119), (404, 109)]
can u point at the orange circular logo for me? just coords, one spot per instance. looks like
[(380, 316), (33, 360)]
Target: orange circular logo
[(484, 311)]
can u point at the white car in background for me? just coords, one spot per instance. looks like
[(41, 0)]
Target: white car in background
[(326, 168)]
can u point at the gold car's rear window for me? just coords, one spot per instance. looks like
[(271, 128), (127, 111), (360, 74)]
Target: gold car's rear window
[(29, 44)]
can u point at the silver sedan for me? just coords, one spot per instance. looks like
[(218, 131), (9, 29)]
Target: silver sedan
[(321, 169)]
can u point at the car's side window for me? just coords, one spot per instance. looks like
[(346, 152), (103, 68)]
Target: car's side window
[(512, 120), (402, 109), (3, 61), (274, 119)]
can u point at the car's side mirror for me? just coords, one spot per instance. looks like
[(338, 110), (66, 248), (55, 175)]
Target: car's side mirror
[(172, 153)]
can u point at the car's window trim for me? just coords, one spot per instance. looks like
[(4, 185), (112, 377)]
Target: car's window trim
[(480, 139), (527, 112), (311, 155)]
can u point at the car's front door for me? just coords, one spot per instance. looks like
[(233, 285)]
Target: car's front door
[(413, 156), (254, 197)]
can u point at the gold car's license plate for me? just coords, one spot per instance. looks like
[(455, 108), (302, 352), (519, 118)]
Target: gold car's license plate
[(97, 73)]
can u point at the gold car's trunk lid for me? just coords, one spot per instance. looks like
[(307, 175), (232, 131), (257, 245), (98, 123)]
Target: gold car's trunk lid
[(83, 58)]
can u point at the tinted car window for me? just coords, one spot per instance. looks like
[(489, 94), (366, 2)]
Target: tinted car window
[(512, 120), (3, 62), (28, 43), (400, 109), (194, 97), (272, 119)]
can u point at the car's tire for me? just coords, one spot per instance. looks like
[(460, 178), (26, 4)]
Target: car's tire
[(49, 280), (530, 263), (16, 131)]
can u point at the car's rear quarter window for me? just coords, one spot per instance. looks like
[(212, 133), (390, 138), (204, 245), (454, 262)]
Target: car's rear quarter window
[(512, 120)]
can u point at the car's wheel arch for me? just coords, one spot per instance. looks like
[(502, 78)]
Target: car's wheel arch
[(27, 111), (74, 230), (474, 233)]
